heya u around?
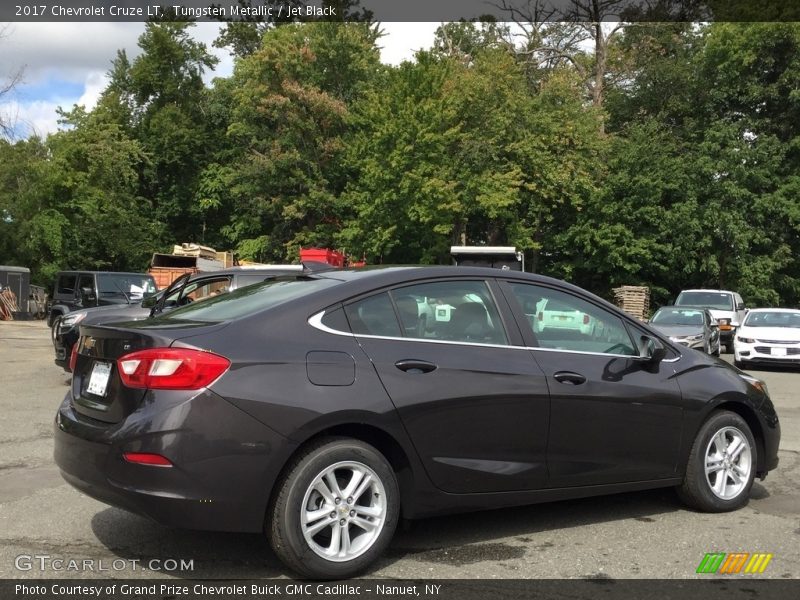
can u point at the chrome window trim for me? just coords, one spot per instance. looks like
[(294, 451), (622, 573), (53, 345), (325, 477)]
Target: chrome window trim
[(316, 322)]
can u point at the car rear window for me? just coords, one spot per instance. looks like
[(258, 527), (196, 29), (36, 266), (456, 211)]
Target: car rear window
[(557, 306), (248, 300), (717, 300)]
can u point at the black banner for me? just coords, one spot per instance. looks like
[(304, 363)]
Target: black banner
[(401, 10)]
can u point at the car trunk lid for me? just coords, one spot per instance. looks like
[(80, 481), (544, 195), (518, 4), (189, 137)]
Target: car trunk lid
[(97, 389)]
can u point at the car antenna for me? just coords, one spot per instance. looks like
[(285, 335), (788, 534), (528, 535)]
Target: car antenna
[(315, 266)]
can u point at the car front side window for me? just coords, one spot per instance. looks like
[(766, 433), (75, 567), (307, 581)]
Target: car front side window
[(561, 321)]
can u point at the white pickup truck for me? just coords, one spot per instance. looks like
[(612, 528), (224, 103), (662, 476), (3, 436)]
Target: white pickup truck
[(725, 306)]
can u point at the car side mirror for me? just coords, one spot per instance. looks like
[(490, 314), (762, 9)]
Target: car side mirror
[(88, 294), (651, 349)]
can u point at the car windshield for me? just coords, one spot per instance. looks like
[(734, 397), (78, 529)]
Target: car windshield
[(248, 300), (717, 300), (674, 316), (773, 319), (135, 287)]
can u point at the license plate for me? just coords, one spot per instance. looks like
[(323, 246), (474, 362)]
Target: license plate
[(98, 380), (563, 318), (778, 352)]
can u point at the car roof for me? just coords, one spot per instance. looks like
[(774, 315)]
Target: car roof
[(251, 270), (674, 307), (786, 310), (708, 290), (378, 276)]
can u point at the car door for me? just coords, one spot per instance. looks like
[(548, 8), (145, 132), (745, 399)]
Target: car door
[(613, 417), (475, 406)]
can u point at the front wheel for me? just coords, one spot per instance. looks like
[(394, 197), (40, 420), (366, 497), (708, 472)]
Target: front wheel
[(721, 466), (335, 510)]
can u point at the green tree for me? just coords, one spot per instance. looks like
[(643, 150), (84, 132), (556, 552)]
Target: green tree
[(290, 111)]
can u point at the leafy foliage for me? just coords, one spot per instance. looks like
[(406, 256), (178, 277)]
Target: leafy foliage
[(670, 159)]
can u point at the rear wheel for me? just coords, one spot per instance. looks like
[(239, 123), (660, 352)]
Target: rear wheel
[(721, 466), (336, 509)]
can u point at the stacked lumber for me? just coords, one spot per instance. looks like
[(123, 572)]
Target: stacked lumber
[(633, 299), (8, 305), (194, 250)]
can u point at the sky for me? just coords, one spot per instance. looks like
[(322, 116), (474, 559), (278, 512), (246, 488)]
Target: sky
[(66, 63)]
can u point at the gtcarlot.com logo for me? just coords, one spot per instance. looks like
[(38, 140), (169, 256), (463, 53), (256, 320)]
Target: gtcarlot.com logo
[(721, 563), (45, 562)]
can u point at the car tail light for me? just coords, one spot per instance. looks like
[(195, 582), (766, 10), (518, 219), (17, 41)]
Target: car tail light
[(146, 458), (540, 316), (171, 369), (73, 357), (585, 319)]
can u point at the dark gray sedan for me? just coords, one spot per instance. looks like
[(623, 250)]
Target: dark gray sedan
[(317, 409), (689, 326)]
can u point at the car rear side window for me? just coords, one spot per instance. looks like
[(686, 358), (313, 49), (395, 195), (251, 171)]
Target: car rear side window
[(373, 316), (335, 319), (457, 311), (560, 321)]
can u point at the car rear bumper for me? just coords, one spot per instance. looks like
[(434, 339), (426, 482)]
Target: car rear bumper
[(225, 463)]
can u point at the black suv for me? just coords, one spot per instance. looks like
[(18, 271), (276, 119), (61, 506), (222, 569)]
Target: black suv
[(182, 291), (75, 290)]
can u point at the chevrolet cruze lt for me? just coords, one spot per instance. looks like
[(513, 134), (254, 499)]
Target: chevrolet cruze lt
[(318, 409)]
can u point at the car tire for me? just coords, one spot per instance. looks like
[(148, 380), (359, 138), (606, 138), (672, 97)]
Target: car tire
[(307, 525), (721, 466), (729, 348)]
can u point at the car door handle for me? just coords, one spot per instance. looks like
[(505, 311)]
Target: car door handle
[(410, 365), (569, 377)]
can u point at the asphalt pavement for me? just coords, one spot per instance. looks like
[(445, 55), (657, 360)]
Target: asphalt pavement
[(635, 535)]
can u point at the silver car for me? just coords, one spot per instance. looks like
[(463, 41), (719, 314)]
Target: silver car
[(691, 327)]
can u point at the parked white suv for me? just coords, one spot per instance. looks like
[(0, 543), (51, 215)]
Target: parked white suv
[(725, 306)]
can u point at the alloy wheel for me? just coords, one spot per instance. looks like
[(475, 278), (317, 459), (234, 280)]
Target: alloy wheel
[(343, 511), (728, 462)]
